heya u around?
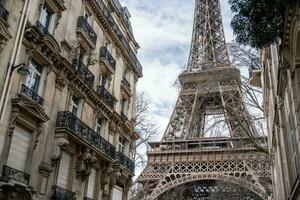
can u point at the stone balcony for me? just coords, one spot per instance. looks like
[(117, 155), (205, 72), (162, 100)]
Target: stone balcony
[(3, 13), (106, 96), (107, 58), (78, 130), (85, 30), (83, 72), (11, 174), (26, 91), (125, 161)]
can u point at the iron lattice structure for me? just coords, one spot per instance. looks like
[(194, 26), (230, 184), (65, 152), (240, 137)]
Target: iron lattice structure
[(186, 164)]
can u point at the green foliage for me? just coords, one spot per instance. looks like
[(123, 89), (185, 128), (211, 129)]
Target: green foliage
[(256, 23)]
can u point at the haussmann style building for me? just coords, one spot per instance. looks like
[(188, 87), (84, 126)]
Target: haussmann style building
[(280, 79), (68, 75)]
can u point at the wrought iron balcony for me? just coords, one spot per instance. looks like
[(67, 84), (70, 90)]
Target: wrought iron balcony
[(79, 129), (15, 175), (125, 161), (84, 73), (42, 29), (60, 193), (124, 116), (114, 26), (104, 54), (32, 95), (3, 13), (85, 27), (126, 83), (108, 98)]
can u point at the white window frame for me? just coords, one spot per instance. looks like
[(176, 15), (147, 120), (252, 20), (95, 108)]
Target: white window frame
[(47, 23), (73, 105), (98, 125), (121, 144), (34, 79)]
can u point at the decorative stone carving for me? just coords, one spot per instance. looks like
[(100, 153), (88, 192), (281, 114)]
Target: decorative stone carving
[(59, 144), (85, 162)]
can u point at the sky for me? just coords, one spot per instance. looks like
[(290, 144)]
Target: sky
[(163, 29)]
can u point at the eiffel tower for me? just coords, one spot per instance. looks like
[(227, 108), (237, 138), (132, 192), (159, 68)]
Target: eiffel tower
[(189, 164)]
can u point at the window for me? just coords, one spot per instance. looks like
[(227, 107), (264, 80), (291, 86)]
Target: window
[(121, 144), (47, 19), (126, 75), (74, 105), (291, 139), (88, 16), (98, 127), (64, 170), (103, 81), (19, 147), (117, 193), (91, 184), (124, 104), (33, 80)]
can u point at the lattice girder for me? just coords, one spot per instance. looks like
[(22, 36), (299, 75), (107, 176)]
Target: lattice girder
[(209, 86), (208, 47), (245, 172)]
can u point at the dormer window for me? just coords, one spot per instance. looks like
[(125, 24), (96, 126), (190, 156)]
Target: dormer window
[(47, 19)]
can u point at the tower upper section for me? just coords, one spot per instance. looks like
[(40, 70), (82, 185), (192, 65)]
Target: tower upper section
[(208, 47)]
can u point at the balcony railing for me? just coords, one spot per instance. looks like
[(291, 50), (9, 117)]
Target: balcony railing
[(60, 193), (114, 26), (108, 98), (15, 175), (80, 129), (3, 13), (32, 95), (84, 73), (104, 54), (42, 29), (83, 25), (126, 82), (125, 161)]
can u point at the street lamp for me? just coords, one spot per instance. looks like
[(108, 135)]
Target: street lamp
[(22, 69)]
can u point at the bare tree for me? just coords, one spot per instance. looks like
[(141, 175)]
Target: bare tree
[(146, 127), (252, 122)]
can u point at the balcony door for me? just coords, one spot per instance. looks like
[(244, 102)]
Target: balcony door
[(47, 19), (33, 80)]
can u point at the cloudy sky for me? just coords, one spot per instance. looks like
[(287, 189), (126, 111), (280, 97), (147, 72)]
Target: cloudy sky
[(163, 29)]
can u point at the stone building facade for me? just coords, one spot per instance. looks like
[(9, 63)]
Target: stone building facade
[(280, 79), (68, 75)]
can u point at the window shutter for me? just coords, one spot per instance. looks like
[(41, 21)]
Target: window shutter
[(117, 193), (19, 147), (64, 170), (91, 184)]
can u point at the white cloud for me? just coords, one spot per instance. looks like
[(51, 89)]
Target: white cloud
[(163, 29)]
